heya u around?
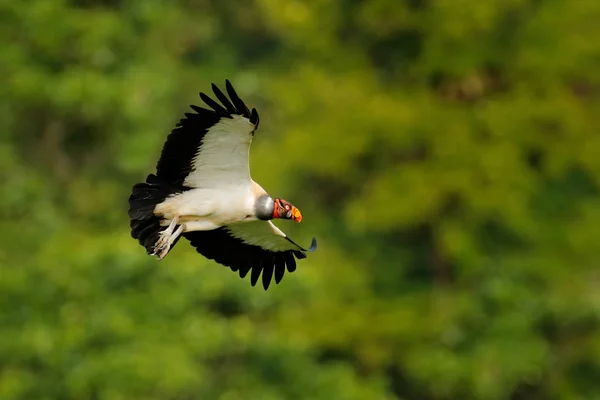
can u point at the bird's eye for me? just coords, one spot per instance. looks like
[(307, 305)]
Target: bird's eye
[(287, 207)]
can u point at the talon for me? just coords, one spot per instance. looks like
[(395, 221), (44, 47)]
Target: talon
[(161, 241), (164, 252), (161, 251), (166, 240)]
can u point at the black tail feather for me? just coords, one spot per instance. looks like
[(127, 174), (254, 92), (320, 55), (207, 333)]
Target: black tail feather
[(145, 226)]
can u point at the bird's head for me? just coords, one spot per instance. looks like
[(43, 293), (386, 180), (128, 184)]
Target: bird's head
[(285, 210)]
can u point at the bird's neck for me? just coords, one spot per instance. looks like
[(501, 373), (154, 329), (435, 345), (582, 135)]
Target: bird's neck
[(263, 207)]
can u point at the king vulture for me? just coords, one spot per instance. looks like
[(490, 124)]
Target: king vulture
[(202, 190)]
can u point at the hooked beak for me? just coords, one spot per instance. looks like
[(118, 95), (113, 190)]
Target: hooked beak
[(296, 216)]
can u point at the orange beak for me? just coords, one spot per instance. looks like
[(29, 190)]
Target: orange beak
[(296, 216)]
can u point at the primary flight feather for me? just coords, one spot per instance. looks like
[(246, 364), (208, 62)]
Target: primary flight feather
[(203, 191)]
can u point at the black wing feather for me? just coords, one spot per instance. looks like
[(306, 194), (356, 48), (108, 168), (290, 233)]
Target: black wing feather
[(220, 246), (182, 144), (219, 109), (290, 261), (279, 268), (223, 99), (244, 271), (267, 273), (256, 268), (254, 117), (237, 102)]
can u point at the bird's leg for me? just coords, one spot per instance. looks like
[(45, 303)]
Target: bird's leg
[(164, 250), (164, 235), (164, 238)]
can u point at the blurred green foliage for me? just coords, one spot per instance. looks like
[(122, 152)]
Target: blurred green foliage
[(445, 153)]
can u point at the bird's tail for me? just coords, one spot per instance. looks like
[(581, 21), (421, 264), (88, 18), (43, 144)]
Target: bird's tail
[(145, 226)]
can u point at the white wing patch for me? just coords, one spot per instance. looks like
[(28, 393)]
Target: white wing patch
[(263, 234), (223, 158)]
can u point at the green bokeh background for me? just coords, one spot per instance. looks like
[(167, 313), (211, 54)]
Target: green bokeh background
[(445, 153)]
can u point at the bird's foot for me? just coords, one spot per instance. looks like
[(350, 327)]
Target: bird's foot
[(161, 248), (165, 241), (163, 237), (161, 252)]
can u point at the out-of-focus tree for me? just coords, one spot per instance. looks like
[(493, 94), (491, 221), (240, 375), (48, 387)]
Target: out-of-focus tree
[(444, 153)]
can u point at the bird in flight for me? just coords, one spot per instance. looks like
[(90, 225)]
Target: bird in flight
[(202, 190)]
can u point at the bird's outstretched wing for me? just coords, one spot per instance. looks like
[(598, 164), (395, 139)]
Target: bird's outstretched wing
[(257, 246), (210, 148)]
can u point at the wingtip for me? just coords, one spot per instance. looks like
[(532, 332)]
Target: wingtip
[(313, 245), (215, 88), (254, 118)]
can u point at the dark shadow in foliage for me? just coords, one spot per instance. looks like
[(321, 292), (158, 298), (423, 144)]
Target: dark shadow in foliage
[(534, 158), (495, 238), (406, 388), (228, 305), (528, 391), (240, 30), (556, 198), (406, 45), (114, 4)]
